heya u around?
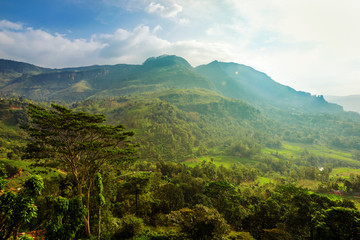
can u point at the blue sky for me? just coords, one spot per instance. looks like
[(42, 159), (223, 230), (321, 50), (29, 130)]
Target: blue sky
[(310, 45)]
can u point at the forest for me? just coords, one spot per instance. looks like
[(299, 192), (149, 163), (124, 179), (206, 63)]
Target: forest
[(173, 171), (163, 150)]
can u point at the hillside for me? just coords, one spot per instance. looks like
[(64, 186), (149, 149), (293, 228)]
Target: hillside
[(165, 72), (177, 124), (180, 123), (179, 111), (198, 150), (73, 84), (243, 82), (10, 70)]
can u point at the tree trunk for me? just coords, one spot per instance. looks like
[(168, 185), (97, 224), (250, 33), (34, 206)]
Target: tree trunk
[(87, 226), (99, 227), (87, 218), (136, 203)]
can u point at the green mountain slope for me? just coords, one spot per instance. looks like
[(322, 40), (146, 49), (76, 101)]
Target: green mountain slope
[(75, 84), (179, 123), (175, 124), (165, 72), (10, 70), (243, 82)]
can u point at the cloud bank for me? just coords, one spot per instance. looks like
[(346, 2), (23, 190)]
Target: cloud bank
[(309, 45), (123, 46)]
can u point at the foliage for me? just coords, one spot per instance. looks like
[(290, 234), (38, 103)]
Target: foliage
[(17, 209), (130, 226), (200, 223), (239, 236), (26, 237), (79, 142), (238, 183), (67, 218), (100, 199), (337, 223)]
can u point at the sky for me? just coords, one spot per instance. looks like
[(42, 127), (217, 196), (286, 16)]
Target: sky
[(309, 45)]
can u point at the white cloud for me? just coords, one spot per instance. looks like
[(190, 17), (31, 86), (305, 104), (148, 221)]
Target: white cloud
[(157, 28), (4, 24), (309, 45), (137, 45), (123, 46), (132, 46), (170, 10), (40, 47)]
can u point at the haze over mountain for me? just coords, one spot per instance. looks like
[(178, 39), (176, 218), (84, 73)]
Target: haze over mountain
[(165, 72), (350, 103)]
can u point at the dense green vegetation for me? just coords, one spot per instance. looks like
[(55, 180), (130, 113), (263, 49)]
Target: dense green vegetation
[(245, 188), (282, 165)]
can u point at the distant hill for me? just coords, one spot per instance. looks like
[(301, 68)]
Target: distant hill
[(179, 112), (231, 80), (10, 70), (73, 84), (350, 103), (243, 82), (171, 124)]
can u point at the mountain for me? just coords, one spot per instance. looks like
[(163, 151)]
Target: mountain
[(242, 82), (73, 84), (12, 69), (176, 123), (350, 103), (231, 80), (179, 111)]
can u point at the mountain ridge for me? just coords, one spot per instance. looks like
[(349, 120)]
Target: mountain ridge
[(232, 80)]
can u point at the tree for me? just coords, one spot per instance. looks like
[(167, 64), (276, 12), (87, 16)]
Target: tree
[(337, 223), (80, 142), (200, 223), (67, 218), (100, 199), (171, 197), (16, 209), (136, 185)]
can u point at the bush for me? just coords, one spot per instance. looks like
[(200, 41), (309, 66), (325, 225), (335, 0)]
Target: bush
[(26, 237), (239, 236), (200, 223), (130, 226), (161, 234)]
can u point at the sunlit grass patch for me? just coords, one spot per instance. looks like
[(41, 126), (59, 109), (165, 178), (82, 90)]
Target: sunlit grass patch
[(292, 151), (29, 168), (309, 184), (263, 180), (344, 172), (218, 160)]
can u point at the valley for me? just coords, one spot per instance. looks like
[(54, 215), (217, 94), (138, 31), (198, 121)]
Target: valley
[(221, 141)]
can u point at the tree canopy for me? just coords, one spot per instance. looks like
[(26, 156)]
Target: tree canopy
[(79, 141)]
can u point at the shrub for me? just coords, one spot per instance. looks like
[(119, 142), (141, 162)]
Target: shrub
[(130, 226)]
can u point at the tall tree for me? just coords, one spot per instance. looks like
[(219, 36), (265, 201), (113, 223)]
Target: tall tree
[(80, 142)]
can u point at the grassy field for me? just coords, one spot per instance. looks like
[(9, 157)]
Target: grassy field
[(344, 172), (291, 151), (27, 169), (218, 160)]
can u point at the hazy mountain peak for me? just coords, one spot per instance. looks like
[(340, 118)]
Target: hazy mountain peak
[(230, 79), (166, 60), (9, 66)]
